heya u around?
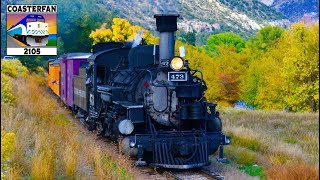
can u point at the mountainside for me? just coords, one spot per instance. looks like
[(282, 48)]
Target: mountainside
[(243, 17), (295, 10)]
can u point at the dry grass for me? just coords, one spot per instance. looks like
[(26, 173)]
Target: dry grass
[(70, 160), (277, 139), (240, 155), (297, 172), (49, 145)]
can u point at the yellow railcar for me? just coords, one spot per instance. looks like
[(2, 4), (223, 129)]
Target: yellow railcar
[(50, 63), (54, 76)]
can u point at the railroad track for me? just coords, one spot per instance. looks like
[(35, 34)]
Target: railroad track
[(201, 174)]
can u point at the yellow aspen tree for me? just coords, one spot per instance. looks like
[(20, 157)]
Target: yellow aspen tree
[(103, 34), (121, 31), (301, 68)]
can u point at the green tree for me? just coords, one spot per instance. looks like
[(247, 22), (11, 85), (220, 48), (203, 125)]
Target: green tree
[(264, 61), (225, 39), (201, 37), (262, 85), (186, 37), (265, 38), (250, 83), (76, 20)]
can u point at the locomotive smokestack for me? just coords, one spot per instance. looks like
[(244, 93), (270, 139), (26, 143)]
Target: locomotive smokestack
[(166, 25)]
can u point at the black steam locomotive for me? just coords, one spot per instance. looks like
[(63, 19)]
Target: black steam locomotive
[(149, 101)]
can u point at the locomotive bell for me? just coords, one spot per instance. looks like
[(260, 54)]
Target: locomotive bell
[(166, 25)]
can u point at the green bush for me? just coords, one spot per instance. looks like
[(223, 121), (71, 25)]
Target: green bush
[(13, 68), (240, 155), (252, 170), (249, 143), (6, 91)]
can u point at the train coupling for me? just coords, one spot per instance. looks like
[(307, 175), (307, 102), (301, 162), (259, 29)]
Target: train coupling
[(140, 162), (221, 158)]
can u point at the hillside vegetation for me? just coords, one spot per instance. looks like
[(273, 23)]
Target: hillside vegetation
[(77, 18), (242, 17), (38, 139), (277, 69), (295, 10)]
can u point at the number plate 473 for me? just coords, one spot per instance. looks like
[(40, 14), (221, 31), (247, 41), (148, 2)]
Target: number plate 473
[(177, 76)]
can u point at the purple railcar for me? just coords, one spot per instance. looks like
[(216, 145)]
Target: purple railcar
[(69, 67)]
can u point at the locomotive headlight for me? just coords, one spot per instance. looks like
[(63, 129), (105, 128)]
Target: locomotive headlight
[(176, 63)]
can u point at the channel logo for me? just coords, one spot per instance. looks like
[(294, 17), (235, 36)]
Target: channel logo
[(31, 30)]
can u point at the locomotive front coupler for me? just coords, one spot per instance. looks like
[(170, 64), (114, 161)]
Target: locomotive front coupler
[(221, 158), (140, 162)]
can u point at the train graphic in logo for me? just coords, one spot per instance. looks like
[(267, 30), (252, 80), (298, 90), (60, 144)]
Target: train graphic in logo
[(32, 30)]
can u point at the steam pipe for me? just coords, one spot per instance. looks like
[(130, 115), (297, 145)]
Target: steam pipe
[(166, 45), (166, 25)]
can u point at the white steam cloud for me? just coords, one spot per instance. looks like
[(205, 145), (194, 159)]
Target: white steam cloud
[(137, 39)]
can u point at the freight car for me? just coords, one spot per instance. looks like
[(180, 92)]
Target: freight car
[(32, 30), (147, 99)]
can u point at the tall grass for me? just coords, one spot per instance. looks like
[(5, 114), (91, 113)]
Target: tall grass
[(273, 139), (293, 171), (48, 144)]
